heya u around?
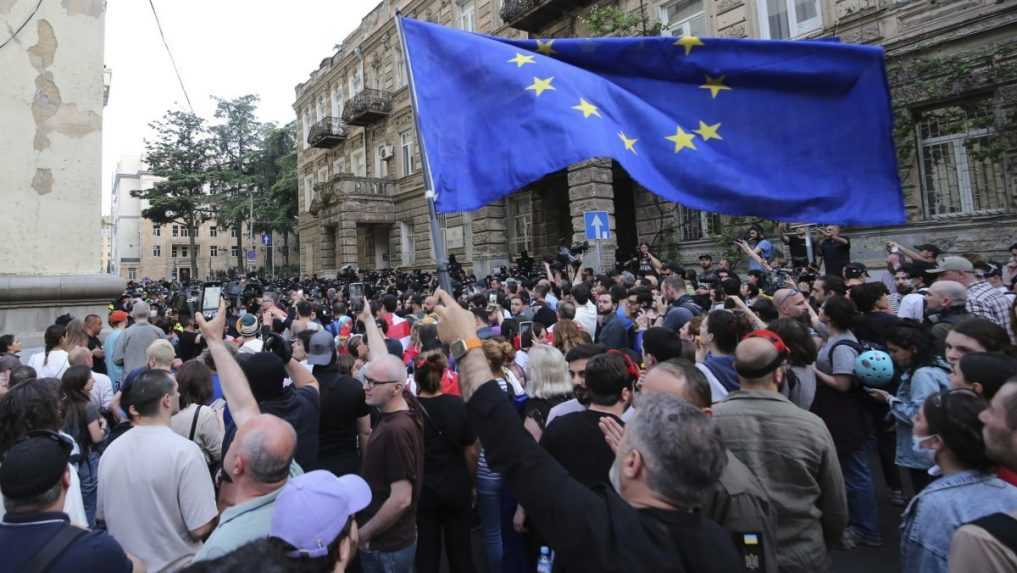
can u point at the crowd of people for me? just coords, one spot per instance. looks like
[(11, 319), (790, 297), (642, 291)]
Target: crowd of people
[(651, 418)]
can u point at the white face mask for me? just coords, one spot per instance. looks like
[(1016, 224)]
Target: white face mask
[(917, 441)]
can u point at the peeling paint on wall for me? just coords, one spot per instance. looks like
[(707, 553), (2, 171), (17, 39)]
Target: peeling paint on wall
[(48, 110), (42, 182), (92, 8)]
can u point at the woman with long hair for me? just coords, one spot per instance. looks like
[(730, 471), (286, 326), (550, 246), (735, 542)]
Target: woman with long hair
[(76, 335), (800, 379), (948, 429), (568, 335), (35, 405), (450, 462), (195, 420), (83, 423), (922, 374), (52, 361), (547, 386)]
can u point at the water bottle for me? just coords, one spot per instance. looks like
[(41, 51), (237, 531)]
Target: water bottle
[(544, 563)]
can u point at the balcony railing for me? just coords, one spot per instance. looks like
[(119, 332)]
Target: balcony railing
[(535, 15), (327, 133), (367, 107)]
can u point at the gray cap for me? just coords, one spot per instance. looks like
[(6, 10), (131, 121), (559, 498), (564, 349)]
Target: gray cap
[(957, 264), (322, 348)]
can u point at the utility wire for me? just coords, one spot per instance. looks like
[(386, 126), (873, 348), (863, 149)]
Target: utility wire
[(22, 26), (168, 51)]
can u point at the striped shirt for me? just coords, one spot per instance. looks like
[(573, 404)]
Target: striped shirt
[(988, 302)]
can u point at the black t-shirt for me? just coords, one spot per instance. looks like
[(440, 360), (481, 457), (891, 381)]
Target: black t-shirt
[(98, 364), (446, 433), (575, 440), (24, 535), (539, 408), (394, 347), (342, 404), (300, 407), (188, 346), (835, 255)]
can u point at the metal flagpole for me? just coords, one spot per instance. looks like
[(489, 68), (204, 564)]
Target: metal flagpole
[(437, 238)]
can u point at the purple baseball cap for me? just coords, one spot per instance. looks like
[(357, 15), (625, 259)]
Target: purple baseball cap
[(313, 508)]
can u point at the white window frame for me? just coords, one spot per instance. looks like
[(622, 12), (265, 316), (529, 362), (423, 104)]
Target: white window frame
[(156, 250), (213, 231), (957, 143), (132, 274), (684, 25), (406, 152), (795, 29), (468, 16), (157, 230), (234, 251), (176, 230), (213, 250)]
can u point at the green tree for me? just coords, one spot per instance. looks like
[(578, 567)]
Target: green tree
[(237, 138), (180, 153), (276, 201)]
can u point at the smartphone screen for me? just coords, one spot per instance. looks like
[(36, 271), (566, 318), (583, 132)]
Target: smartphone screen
[(210, 297), (357, 296)]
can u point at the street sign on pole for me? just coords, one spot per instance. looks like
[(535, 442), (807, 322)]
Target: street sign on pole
[(598, 228), (266, 239), (252, 255)]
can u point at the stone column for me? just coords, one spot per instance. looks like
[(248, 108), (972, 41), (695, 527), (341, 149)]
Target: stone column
[(490, 240), (348, 252), (51, 103), (326, 249), (591, 189)]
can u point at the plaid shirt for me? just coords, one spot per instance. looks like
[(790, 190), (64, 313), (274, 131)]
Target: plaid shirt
[(986, 301)]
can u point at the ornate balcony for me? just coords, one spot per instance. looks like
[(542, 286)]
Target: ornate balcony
[(327, 133), (367, 107), (534, 15), (348, 184)]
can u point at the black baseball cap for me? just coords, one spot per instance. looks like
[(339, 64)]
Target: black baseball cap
[(34, 465), (855, 270)]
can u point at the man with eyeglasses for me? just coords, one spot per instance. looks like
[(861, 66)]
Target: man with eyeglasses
[(393, 465)]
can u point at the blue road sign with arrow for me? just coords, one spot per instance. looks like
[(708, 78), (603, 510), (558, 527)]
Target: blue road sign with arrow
[(597, 226)]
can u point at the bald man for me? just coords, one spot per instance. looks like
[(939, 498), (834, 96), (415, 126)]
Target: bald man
[(738, 502), (257, 466), (102, 390), (791, 452), (946, 305), (393, 467)]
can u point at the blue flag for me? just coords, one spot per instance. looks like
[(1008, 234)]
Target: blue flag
[(791, 131)]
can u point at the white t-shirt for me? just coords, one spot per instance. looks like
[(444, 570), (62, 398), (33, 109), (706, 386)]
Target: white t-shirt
[(56, 364), (586, 316), (102, 392), (252, 346), (154, 488), (912, 306)]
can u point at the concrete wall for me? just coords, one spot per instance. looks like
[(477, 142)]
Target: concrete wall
[(51, 99)]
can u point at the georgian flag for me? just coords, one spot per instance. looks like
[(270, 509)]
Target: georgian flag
[(398, 328)]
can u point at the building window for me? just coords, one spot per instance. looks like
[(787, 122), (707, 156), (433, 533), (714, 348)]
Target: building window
[(406, 145), (467, 16), (694, 225), (213, 232), (339, 166), (359, 163), (959, 172), (157, 251), (157, 230), (786, 19), (234, 251), (213, 251), (400, 69), (683, 18), (234, 233), (381, 161), (132, 274), (406, 243), (176, 230), (520, 227)]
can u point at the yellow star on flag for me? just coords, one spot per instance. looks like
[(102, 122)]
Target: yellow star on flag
[(520, 60), (630, 144), (544, 47), (587, 108), (540, 86), (688, 42), (681, 139), (707, 131), (715, 85)]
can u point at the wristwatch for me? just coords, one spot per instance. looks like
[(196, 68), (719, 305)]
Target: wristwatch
[(460, 347)]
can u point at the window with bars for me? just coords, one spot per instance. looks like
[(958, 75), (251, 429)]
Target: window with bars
[(787, 19), (961, 165), (683, 18), (694, 225)]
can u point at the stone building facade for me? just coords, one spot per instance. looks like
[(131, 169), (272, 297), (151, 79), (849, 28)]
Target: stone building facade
[(142, 249), (952, 69)]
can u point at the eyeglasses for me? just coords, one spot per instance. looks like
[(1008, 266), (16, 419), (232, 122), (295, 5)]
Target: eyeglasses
[(368, 381)]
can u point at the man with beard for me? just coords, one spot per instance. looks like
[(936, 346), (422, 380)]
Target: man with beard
[(912, 294), (576, 358)]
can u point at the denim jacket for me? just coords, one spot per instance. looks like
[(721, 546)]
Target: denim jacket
[(944, 505), (914, 388)]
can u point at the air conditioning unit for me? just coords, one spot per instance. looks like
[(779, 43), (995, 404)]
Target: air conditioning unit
[(387, 151)]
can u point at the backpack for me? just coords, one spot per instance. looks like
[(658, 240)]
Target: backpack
[(1001, 526)]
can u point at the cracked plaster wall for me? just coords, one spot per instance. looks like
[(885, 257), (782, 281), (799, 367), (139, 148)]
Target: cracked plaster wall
[(51, 100)]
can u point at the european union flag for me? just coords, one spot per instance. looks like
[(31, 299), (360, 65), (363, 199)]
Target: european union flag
[(792, 131)]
